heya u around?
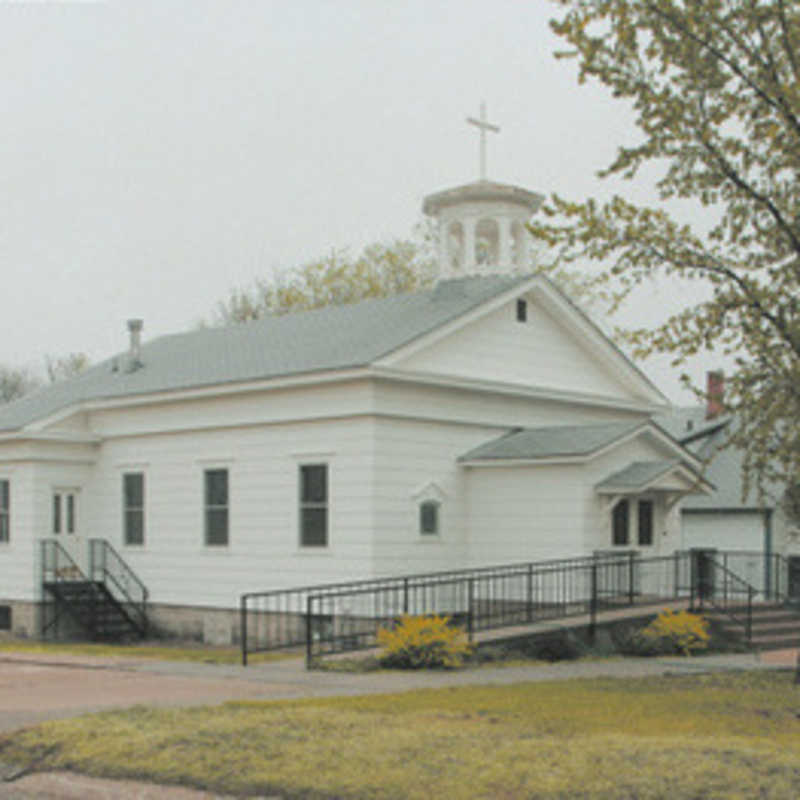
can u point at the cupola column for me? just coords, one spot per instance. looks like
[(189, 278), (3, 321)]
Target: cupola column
[(505, 257), (469, 244), (444, 255)]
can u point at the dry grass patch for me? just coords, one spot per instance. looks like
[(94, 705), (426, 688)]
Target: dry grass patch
[(718, 736)]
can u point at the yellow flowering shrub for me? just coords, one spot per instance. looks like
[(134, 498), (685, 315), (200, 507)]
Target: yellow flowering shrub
[(683, 631), (422, 642)]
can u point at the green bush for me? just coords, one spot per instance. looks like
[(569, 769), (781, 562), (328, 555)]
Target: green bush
[(423, 642)]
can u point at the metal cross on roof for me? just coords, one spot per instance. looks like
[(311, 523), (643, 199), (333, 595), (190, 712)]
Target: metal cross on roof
[(483, 125)]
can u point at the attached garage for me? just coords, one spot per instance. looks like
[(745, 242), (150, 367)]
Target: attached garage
[(742, 537), (725, 530)]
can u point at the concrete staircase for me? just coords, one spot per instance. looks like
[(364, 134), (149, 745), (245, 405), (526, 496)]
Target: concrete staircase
[(774, 627)]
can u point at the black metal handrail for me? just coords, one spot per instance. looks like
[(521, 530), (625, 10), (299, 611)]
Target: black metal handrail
[(276, 619), (348, 619), (57, 564), (732, 595), (107, 566)]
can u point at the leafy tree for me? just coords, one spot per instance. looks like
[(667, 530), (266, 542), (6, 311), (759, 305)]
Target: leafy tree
[(60, 368), (336, 279), (16, 382), (715, 85)]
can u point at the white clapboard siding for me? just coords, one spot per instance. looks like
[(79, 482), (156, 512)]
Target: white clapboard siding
[(525, 513), (539, 352), (449, 404), (741, 530), (18, 556), (410, 458), (263, 551)]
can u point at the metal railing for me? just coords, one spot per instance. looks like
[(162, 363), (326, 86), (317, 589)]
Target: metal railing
[(107, 566), (718, 586), (58, 567), (330, 618), (349, 619), (345, 615), (277, 619)]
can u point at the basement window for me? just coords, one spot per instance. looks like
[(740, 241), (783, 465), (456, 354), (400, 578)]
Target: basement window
[(522, 311)]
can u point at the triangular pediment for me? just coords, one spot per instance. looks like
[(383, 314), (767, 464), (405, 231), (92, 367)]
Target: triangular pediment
[(554, 348)]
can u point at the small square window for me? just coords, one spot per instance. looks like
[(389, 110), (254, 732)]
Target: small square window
[(522, 311), (429, 518)]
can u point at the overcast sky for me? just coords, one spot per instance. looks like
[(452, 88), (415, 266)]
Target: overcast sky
[(154, 155)]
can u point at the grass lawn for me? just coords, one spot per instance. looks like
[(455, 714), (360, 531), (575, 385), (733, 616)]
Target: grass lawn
[(158, 652), (726, 735)]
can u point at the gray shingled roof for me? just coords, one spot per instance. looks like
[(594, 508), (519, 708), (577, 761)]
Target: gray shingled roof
[(726, 465), (563, 440), (637, 475), (336, 337), (689, 422)]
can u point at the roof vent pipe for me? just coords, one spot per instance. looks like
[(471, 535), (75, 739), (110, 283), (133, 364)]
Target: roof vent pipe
[(135, 348)]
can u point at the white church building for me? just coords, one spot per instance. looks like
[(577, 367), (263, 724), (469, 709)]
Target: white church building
[(484, 421)]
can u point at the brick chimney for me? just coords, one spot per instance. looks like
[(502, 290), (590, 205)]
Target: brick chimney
[(715, 393)]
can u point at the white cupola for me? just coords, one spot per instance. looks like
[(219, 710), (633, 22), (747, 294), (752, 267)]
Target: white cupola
[(481, 225)]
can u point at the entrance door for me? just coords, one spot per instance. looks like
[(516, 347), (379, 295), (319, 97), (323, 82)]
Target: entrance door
[(794, 579), (703, 571), (64, 528)]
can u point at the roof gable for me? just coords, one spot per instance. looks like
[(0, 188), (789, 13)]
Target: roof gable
[(556, 349)]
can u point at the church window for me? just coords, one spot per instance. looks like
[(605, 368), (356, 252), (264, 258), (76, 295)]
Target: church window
[(645, 523), (522, 311), (133, 508), (313, 505), (216, 507), (619, 523), (5, 511)]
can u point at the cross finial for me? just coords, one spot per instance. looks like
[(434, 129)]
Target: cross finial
[(483, 126)]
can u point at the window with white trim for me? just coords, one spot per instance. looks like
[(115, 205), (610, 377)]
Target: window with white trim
[(428, 500), (5, 511), (645, 520), (619, 524), (429, 518), (65, 511), (216, 507), (313, 505), (133, 509)]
